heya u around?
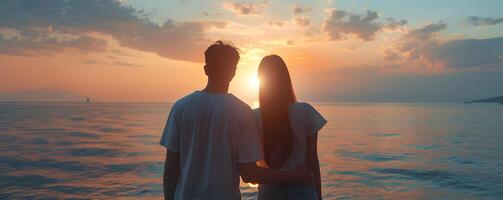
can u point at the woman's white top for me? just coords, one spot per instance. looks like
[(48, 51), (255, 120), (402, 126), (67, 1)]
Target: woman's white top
[(304, 121)]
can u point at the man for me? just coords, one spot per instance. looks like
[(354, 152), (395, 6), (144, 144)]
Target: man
[(211, 138)]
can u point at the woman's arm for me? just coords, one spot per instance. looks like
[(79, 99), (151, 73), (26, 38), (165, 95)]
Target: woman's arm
[(251, 173), (313, 162)]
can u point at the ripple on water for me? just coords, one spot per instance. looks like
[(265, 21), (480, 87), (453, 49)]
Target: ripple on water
[(461, 160), (28, 181), (469, 184), (39, 141), (112, 130), (23, 163), (41, 130), (379, 134), (119, 168), (425, 147), (372, 157), (143, 136), (133, 190), (82, 134), (73, 190), (77, 118), (101, 152)]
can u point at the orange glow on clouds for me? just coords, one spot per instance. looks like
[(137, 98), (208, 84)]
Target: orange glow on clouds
[(137, 58)]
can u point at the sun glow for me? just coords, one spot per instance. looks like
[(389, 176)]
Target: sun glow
[(254, 82)]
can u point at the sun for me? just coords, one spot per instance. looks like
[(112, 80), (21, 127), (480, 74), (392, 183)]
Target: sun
[(254, 82)]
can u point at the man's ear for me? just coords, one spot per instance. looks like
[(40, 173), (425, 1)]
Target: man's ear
[(205, 70)]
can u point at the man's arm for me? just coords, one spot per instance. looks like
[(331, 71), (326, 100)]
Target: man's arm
[(313, 163), (171, 173), (251, 173)]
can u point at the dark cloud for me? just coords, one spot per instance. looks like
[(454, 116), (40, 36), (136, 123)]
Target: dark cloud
[(422, 48), (394, 24), (297, 9), (242, 8), (378, 84), (469, 53), (302, 21), (48, 45), (339, 24), (39, 23), (481, 21)]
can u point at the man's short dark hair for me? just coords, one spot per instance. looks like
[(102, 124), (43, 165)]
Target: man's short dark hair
[(221, 53)]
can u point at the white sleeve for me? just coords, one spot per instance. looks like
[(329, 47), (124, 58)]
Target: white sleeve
[(249, 145), (171, 135), (314, 120)]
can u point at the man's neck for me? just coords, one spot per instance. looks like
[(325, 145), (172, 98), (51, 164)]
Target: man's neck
[(218, 88)]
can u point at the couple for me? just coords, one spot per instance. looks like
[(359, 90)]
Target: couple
[(212, 137)]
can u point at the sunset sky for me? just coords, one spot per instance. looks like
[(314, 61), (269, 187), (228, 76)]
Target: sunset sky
[(339, 50)]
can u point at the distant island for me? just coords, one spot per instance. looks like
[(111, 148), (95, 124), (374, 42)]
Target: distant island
[(498, 99), (42, 95)]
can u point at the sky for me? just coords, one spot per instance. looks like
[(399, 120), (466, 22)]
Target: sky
[(336, 50)]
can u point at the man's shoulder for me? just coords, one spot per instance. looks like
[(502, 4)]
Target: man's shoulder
[(187, 99), (230, 100), (239, 103)]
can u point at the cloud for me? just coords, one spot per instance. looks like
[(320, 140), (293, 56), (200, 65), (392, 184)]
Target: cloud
[(297, 9), (108, 63), (469, 53), (213, 24), (480, 21), (242, 8), (374, 83), (412, 45), (421, 47), (339, 24), (208, 14), (45, 44), (394, 24), (276, 23), (41, 25), (302, 21), (428, 30)]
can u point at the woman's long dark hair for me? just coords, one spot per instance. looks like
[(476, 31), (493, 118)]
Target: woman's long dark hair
[(275, 95)]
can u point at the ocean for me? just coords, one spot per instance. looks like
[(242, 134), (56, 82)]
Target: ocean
[(367, 151)]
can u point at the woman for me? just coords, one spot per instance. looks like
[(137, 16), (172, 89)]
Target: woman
[(289, 130)]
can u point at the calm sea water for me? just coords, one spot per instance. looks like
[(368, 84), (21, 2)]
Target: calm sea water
[(367, 151)]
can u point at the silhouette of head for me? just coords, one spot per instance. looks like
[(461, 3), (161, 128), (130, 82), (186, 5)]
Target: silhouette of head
[(276, 95), (221, 60)]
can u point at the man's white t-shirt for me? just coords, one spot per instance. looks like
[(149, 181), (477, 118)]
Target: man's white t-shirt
[(305, 121), (213, 133)]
